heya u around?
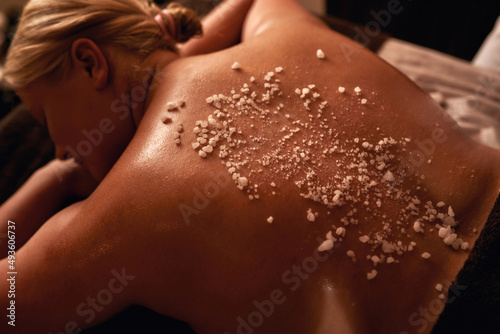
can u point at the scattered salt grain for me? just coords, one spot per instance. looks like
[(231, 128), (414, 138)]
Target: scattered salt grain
[(202, 153), (325, 245), (390, 259), (450, 212), (440, 204), (439, 287), (350, 253), (371, 275), (389, 176), (341, 89), (418, 227), (278, 69), (426, 255), (310, 216), (320, 54), (243, 181), (270, 219), (363, 101), (364, 238), (357, 90), (236, 66)]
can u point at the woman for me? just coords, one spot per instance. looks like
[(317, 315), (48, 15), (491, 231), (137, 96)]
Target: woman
[(290, 183)]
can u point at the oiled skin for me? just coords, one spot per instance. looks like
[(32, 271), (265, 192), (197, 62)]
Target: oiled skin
[(210, 271)]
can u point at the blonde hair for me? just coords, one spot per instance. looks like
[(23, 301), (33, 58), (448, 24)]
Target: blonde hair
[(47, 29)]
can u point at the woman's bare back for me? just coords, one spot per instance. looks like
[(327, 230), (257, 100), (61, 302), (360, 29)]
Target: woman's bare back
[(281, 150), (286, 202)]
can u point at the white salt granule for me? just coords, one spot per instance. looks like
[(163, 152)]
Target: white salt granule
[(357, 90), (310, 216), (450, 212), (202, 153), (341, 89), (236, 66), (371, 275), (390, 259), (363, 101), (320, 54), (364, 238), (350, 253), (418, 227), (340, 232), (270, 219), (243, 181), (440, 204), (439, 287), (388, 176), (325, 245), (426, 255), (208, 148), (278, 69)]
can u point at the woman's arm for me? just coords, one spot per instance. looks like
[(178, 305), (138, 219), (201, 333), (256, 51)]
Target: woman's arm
[(45, 193), (265, 13), (72, 274), (221, 28)]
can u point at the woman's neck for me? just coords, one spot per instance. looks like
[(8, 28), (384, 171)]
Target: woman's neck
[(153, 67)]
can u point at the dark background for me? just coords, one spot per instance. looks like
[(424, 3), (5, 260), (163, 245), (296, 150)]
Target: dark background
[(454, 27)]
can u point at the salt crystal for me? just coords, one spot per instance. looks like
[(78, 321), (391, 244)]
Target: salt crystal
[(325, 245), (439, 287), (364, 238), (357, 90), (341, 89), (278, 69), (340, 231), (270, 219), (310, 216), (449, 239), (389, 176), (440, 204), (208, 148), (426, 255), (390, 259), (320, 54), (363, 101), (350, 253), (236, 66), (450, 212), (371, 275), (243, 181), (418, 227), (202, 153)]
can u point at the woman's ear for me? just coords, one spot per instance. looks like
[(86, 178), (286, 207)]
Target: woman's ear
[(89, 60)]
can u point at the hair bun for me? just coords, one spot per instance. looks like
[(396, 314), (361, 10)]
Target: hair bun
[(187, 23)]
